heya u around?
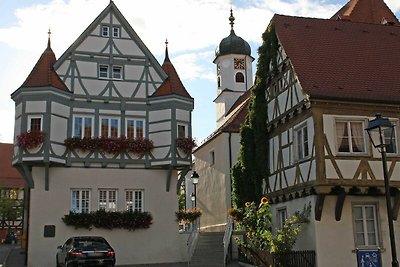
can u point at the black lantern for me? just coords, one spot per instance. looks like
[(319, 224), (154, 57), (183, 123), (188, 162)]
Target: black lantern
[(381, 131), (195, 181)]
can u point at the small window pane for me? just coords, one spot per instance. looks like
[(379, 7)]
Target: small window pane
[(117, 72), (115, 32), (139, 129), (103, 71), (78, 127), (104, 127), (114, 127), (104, 31), (130, 129), (36, 124), (88, 127), (181, 131)]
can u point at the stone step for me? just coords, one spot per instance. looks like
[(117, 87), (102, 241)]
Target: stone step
[(209, 250)]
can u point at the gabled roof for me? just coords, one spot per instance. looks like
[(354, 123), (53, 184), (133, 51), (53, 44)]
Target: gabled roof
[(43, 74), (366, 11), (112, 9), (9, 176), (173, 84), (342, 60)]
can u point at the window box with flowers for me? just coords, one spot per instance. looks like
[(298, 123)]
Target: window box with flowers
[(30, 139), (112, 145), (109, 220), (186, 144), (188, 216)]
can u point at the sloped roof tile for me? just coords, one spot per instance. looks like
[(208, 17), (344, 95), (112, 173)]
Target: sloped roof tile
[(366, 11), (9, 176), (43, 74), (173, 84), (342, 60)]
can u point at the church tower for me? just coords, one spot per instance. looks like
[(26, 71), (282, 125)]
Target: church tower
[(234, 71)]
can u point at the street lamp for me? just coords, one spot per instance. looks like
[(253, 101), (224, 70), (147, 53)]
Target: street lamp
[(195, 181), (193, 198), (385, 130)]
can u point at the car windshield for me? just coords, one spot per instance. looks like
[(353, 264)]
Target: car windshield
[(90, 244)]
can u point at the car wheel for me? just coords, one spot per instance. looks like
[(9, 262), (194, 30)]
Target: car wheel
[(57, 263)]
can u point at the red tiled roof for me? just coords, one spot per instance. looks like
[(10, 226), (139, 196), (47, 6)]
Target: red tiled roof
[(342, 60), (9, 176), (43, 73), (366, 11), (173, 84)]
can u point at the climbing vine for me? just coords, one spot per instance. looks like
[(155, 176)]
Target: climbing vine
[(250, 170)]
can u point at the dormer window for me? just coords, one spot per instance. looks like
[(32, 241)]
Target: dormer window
[(105, 31)]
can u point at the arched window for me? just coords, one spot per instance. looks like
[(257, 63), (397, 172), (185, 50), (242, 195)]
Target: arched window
[(239, 77), (219, 81)]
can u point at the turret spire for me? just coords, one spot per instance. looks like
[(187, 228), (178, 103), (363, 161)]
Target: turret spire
[(166, 51), (231, 19), (48, 40)]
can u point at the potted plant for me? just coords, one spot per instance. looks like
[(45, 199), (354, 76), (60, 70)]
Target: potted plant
[(188, 216)]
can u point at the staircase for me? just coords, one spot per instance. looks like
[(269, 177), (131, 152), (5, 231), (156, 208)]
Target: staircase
[(209, 251)]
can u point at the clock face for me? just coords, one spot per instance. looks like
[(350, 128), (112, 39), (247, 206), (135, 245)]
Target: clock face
[(238, 63)]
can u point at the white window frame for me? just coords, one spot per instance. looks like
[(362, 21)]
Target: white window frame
[(78, 205), (82, 133), (302, 142), (101, 73), (363, 221), (185, 128), (281, 216), (349, 136), (133, 202), (117, 75), (32, 117), (109, 126), (116, 32), (105, 31), (110, 200), (135, 127)]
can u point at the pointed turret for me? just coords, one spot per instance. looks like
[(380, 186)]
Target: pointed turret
[(371, 11), (173, 84), (43, 74)]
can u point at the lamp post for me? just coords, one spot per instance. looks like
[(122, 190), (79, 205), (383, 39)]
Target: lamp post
[(193, 198), (195, 181), (382, 126)]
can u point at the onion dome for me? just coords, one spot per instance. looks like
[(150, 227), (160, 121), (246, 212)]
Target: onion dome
[(233, 44)]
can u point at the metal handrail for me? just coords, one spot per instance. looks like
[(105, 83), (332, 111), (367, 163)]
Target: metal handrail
[(227, 237), (192, 239)]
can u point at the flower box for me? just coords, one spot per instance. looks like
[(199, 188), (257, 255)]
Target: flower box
[(112, 145), (186, 144), (188, 216), (30, 139)]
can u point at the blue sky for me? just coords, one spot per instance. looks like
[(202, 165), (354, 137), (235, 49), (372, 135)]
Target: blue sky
[(194, 28)]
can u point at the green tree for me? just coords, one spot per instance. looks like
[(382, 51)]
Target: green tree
[(250, 170), (10, 209), (261, 239)]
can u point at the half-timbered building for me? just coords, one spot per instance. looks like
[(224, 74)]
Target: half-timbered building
[(332, 76), (96, 129)]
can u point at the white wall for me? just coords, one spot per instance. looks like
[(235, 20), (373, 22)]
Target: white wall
[(140, 246)]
